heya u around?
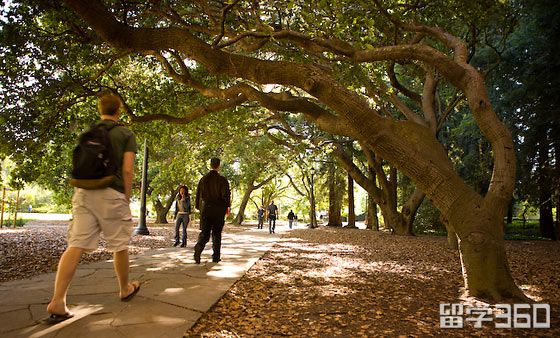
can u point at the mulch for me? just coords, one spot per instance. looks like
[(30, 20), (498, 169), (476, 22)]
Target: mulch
[(336, 282), (326, 282)]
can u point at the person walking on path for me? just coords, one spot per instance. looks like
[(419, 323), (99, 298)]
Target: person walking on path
[(182, 212), (272, 210), (103, 210), (291, 217), (260, 217), (213, 199)]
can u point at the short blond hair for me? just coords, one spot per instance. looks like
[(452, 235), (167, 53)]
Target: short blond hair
[(109, 104)]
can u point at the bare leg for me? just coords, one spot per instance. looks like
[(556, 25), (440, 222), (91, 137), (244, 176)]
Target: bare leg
[(121, 265), (64, 274)]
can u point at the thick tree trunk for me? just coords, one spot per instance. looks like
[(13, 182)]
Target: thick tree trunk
[(408, 213), (510, 212), (546, 221), (335, 198), (161, 212), (372, 219), (480, 231), (485, 270), (351, 209), (391, 218), (401, 223), (393, 184), (557, 179), (241, 213), (452, 240)]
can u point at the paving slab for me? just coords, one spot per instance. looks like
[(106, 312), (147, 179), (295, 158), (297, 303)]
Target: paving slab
[(175, 292)]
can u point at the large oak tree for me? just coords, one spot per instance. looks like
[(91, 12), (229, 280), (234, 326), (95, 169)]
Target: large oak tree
[(294, 56)]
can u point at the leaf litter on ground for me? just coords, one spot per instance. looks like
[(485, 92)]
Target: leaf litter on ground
[(326, 282)]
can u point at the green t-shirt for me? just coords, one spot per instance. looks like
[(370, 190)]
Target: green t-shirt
[(122, 140)]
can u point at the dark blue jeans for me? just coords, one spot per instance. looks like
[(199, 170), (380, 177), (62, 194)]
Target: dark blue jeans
[(271, 223), (181, 219)]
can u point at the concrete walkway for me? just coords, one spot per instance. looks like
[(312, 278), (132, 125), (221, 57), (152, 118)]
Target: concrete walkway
[(175, 292)]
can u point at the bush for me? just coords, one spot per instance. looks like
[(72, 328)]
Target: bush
[(8, 223), (427, 220)]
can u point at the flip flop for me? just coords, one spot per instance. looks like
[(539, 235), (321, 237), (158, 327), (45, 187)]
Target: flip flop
[(55, 318), (132, 294)]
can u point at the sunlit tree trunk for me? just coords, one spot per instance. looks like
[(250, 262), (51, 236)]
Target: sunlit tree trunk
[(244, 201), (452, 240), (163, 210), (351, 209), (247, 196), (372, 219), (335, 198)]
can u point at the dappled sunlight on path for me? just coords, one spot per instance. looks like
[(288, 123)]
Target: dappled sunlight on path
[(346, 283)]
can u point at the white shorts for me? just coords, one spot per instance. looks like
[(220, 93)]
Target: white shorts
[(99, 211)]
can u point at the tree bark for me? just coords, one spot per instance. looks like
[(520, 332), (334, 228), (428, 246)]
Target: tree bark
[(408, 212), (351, 209), (372, 219), (485, 270), (557, 185), (545, 183), (247, 196), (162, 211), (312, 201), (510, 212), (335, 198), (238, 220), (452, 240)]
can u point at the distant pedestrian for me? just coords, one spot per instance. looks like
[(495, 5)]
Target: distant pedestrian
[(272, 211), (101, 209), (213, 199), (260, 217), (182, 212), (291, 217)]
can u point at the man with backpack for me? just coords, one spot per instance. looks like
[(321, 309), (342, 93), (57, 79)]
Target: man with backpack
[(100, 204)]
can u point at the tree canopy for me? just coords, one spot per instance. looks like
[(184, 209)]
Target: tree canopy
[(404, 79)]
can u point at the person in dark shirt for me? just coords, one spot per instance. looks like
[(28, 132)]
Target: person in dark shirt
[(291, 217), (272, 210), (213, 199), (260, 217)]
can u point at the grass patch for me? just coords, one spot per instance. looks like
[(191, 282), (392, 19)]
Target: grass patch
[(8, 223)]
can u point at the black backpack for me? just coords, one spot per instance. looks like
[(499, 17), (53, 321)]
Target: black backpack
[(93, 162)]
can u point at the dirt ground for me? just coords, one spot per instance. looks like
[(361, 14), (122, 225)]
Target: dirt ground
[(327, 282), (354, 283)]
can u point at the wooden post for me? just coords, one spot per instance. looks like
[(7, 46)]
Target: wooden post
[(17, 206), (2, 212)]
